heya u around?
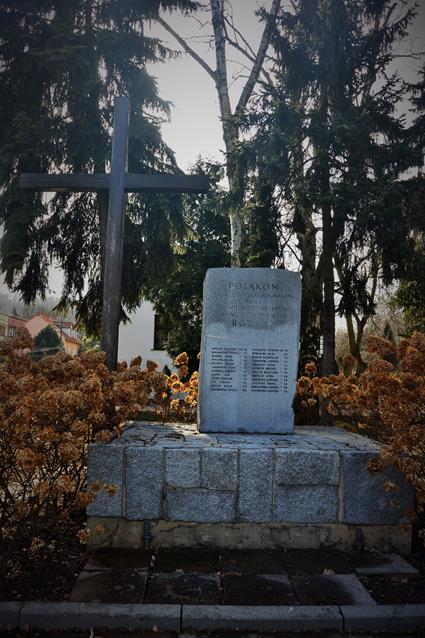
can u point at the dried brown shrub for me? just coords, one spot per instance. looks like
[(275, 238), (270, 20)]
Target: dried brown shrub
[(50, 411)]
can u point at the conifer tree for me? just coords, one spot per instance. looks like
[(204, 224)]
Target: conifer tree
[(338, 149), (61, 64)]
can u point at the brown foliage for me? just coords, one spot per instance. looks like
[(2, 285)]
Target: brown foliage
[(178, 399), (386, 402), (50, 411)]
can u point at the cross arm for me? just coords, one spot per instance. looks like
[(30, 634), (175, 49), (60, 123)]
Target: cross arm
[(57, 183), (133, 182), (163, 183)]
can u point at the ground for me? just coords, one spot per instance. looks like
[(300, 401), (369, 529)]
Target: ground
[(62, 569)]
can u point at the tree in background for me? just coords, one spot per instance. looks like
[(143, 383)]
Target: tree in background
[(48, 338), (328, 134), (61, 64), (178, 297), (411, 292), (225, 33)]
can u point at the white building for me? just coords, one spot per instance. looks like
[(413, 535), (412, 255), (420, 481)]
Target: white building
[(143, 337)]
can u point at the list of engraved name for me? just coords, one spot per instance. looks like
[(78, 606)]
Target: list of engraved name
[(248, 369)]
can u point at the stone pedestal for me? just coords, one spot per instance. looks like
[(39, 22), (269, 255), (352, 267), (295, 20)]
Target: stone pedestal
[(305, 490)]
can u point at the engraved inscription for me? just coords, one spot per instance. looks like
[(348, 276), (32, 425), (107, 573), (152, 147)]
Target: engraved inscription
[(230, 368), (269, 370), (253, 304)]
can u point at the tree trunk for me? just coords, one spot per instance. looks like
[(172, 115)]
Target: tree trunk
[(355, 340), (311, 292), (230, 132), (328, 315), (102, 211)]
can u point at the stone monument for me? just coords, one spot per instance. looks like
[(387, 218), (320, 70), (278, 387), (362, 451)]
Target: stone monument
[(248, 478), (249, 350)]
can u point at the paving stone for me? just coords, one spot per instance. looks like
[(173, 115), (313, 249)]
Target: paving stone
[(341, 589), (384, 618), (185, 587), (219, 469), (265, 618), (270, 589), (119, 558), (183, 468), (376, 564), (255, 486), (306, 467), (109, 586), (105, 464), (299, 441), (252, 561), (315, 561), (365, 498), (306, 504), (88, 616), (241, 439), (144, 477), (142, 431), (188, 560), (201, 505)]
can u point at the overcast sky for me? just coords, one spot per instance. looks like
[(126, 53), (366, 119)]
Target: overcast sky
[(194, 128)]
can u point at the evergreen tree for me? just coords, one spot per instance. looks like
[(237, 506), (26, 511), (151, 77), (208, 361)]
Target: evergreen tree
[(61, 64), (48, 338), (331, 123), (411, 292), (178, 297)]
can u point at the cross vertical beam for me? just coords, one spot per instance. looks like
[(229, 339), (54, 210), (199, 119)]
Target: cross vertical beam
[(112, 275), (117, 182)]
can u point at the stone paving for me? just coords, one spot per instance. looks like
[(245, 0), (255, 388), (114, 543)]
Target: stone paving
[(244, 577)]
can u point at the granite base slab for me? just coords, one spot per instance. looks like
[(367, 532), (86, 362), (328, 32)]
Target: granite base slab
[(317, 478)]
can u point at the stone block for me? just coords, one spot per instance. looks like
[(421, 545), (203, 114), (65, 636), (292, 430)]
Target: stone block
[(255, 485), (250, 335), (306, 467), (200, 505), (220, 469), (280, 618), (306, 504), (365, 498), (144, 476), (182, 467), (335, 589), (384, 618), (105, 464), (382, 564), (85, 616)]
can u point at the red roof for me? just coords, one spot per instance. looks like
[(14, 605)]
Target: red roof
[(56, 324), (15, 321)]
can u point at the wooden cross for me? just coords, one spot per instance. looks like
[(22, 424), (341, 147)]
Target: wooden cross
[(118, 182)]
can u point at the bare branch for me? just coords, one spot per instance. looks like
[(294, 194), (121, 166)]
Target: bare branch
[(250, 57), (187, 48), (220, 54), (261, 53), (238, 33)]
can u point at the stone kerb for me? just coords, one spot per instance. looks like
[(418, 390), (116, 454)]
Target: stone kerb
[(171, 473)]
